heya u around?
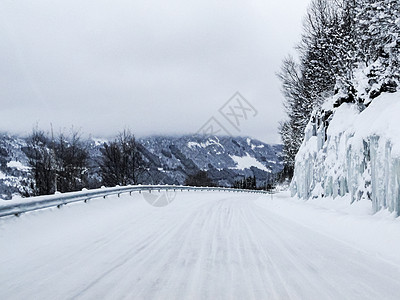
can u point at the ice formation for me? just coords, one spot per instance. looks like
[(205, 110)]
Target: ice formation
[(352, 150)]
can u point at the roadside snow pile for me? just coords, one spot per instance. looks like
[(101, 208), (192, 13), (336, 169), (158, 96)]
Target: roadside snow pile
[(346, 151), (354, 225)]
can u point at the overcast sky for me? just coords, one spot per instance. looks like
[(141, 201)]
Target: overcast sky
[(157, 67)]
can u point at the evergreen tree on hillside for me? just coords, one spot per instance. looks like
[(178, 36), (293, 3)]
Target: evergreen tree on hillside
[(378, 24), (199, 179), (344, 48), (247, 183), (317, 56)]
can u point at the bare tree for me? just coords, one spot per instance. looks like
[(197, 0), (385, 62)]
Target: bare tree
[(120, 160), (71, 162), (41, 161)]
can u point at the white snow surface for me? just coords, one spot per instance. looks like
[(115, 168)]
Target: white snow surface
[(246, 162), (17, 165), (99, 141), (204, 245), (249, 142), (381, 118), (210, 141)]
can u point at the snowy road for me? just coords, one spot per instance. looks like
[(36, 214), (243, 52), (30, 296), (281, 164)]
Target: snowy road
[(202, 246)]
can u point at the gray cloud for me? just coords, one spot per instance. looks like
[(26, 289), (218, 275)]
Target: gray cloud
[(158, 67)]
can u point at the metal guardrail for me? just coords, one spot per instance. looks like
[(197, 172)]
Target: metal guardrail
[(57, 200)]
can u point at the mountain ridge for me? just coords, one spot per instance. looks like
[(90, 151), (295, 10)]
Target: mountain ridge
[(166, 160)]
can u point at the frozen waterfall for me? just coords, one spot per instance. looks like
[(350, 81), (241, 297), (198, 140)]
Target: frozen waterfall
[(346, 151)]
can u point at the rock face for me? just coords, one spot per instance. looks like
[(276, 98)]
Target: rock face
[(167, 160), (352, 152)]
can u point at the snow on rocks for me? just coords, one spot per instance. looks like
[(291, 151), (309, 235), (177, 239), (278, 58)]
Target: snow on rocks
[(246, 162), (355, 153)]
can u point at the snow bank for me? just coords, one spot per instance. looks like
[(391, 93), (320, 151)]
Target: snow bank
[(354, 225), (353, 152)]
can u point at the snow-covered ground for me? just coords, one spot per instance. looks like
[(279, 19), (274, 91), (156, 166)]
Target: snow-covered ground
[(204, 245)]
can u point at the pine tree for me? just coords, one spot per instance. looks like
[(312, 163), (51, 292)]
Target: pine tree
[(318, 60), (199, 179), (378, 25)]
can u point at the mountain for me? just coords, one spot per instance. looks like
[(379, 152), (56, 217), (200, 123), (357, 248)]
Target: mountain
[(166, 160), (225, 158)]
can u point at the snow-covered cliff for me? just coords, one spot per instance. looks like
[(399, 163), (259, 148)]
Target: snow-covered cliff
[(354, 151)]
